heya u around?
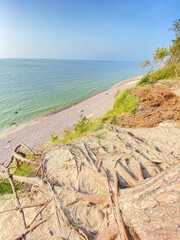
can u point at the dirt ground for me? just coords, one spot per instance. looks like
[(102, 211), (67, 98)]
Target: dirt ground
[(157, 103)]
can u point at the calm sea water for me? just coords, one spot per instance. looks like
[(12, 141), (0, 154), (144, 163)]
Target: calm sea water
[(31, 88)]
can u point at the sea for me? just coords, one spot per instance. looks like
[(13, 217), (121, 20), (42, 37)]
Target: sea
[(30, 88)]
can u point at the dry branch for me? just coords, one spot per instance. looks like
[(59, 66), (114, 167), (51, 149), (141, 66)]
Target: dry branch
[(35, 181), (17, 200), (23, 145), (23, 207), (41, 210), (30, 229), (23, 159)]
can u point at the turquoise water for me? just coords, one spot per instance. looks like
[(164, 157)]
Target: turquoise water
[(31, 88)]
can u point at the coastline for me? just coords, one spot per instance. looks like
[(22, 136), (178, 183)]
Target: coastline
[(36, 132)]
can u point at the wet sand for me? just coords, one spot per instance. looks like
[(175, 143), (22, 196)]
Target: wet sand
[(37, 132)]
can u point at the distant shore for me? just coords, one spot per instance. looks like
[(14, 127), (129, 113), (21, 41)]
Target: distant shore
[(37, 132)]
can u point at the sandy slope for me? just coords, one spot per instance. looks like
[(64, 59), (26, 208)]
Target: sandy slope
[(37, 132), (78, 173)]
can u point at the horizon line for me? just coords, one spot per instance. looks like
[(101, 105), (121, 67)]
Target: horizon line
[(68, 59)]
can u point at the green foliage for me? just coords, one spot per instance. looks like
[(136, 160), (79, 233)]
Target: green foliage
[(54, 138), (176, 27), (175, 47), (171, 68), (162, 73), (145, 63), (175, 51), (166, 72), (144, 80), (81, 124), (5, 187), (23, 170), (82, 130), (125, 102), (160, 54)]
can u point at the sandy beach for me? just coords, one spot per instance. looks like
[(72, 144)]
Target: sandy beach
[(37, 132)]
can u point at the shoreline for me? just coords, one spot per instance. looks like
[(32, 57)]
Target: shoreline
[(8, 131), (36, 132)]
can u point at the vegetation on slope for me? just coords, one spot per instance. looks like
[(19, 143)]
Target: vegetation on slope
[(171, 67), (124, 103)]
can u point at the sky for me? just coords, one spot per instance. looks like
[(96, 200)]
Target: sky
[(128, 30)]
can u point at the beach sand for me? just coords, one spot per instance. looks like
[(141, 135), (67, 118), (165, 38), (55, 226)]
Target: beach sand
[(37, 132)]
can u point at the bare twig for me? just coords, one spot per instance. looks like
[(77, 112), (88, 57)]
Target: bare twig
[(25, 146), (23, 159), (30, 180), (30, 229), (23, 207), (17, 200), (41, 210)]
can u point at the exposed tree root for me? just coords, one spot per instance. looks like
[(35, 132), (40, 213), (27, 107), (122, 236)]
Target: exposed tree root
[(80, 192)]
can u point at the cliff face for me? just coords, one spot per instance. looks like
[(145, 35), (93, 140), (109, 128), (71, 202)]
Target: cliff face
[(116, 182)]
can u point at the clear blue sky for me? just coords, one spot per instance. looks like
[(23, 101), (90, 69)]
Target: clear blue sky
[(85, 29)]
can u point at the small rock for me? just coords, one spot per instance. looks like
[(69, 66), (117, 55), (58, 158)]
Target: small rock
[(12, 124)]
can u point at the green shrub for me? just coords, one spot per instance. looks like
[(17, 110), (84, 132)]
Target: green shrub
[(81, 124), (54, 138), (144, 80)]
